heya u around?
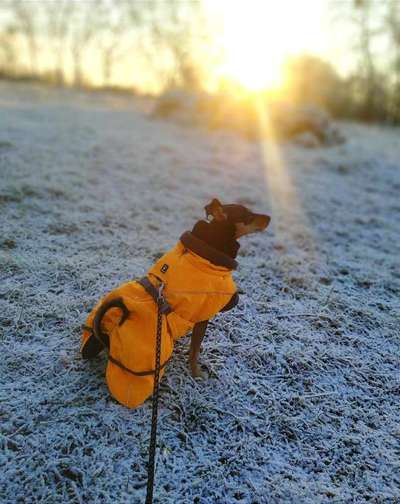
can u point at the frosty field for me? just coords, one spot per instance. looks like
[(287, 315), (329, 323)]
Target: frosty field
[(300, 401)]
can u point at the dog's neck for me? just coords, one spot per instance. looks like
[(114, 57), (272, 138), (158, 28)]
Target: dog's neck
[(220, 235)]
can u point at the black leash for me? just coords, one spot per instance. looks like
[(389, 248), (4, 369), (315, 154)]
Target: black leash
[(162, 307)]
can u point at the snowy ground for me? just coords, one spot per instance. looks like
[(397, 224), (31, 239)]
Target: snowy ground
[(301, 403)]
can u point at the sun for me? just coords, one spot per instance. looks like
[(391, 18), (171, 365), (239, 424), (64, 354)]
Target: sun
[(257, 36)]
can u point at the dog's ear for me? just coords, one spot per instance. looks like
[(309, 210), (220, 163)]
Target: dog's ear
[(215, 209)]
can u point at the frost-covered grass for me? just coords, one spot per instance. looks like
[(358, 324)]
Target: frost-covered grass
[(301, 403)]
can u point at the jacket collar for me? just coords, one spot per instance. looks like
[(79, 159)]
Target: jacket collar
[(205, 250)]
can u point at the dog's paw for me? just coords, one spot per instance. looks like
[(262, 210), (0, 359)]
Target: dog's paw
[(197, 373)]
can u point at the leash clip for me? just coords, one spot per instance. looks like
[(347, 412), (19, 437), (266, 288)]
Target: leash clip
[(163, 303), (160, 291)]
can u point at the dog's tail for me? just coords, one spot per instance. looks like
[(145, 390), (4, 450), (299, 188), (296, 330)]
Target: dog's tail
[(113, 303)]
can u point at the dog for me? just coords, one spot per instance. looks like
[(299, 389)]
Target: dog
[(196, 279)]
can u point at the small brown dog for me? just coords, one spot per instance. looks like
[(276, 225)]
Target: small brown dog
[(194, 281)]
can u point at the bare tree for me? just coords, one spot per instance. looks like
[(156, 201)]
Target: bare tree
[(367, 84), (118, 22), (7, 50), (85, 20), (58, 16), (370, 86), (392, 22), (25, 24), (179, 29)]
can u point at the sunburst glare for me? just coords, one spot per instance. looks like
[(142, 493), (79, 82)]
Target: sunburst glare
[(257, 36)]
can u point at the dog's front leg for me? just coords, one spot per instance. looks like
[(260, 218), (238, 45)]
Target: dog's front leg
[(199, 330)]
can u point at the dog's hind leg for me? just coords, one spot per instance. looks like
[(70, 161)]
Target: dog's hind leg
[(92, 347)]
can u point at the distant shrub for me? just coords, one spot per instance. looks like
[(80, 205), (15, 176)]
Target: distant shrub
[(247, 115), (308, 79)]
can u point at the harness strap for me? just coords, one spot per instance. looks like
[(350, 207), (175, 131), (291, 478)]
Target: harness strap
[(150, 289)]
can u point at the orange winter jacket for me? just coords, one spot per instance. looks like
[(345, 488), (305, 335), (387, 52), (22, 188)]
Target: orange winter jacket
[(197, 285)]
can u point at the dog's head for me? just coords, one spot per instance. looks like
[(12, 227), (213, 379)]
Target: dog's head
[(244, 220)]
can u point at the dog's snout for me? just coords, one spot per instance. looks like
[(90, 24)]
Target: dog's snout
[(262, 221)]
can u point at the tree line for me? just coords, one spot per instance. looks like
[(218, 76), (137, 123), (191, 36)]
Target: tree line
[(65, 41)]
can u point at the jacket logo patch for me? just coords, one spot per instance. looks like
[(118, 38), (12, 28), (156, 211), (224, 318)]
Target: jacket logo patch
[(164, 268)]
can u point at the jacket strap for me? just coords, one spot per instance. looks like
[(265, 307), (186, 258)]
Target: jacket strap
[(136, 373)]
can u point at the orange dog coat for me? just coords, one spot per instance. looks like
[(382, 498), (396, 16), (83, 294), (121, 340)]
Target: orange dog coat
[(197, 285)]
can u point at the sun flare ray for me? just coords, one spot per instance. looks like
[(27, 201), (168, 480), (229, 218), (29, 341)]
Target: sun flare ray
[(289, 217)]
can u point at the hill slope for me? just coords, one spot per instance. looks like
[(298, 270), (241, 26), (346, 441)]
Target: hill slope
[(301, 399)]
